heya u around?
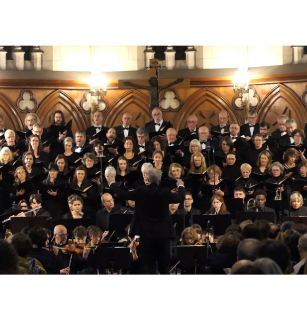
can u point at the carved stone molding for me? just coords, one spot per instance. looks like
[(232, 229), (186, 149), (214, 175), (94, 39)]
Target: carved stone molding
[(88, 100), (170, 101), (12, 116), (26, 102), (252, 97)]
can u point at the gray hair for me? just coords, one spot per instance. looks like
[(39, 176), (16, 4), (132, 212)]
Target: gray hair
[(296, 195), (282, 117), (34, 115), (80, 132), (252, 111), (246, 166), (194, 142), (154, 175), (302, 242), (146, 166), (267, 265), (8, 131), (69, 139), (290, 121), (279, 165), (37, 124), (141, 130), (110, 170)]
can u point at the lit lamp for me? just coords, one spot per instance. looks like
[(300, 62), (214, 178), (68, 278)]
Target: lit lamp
[(240, 87), (98, 86)]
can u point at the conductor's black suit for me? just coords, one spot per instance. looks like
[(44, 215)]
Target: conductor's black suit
[(152, 222)]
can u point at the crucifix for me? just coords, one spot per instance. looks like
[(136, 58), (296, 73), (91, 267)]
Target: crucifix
[(153, 87)]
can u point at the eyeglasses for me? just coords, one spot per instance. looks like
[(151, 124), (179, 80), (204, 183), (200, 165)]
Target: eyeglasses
[(215, 202)]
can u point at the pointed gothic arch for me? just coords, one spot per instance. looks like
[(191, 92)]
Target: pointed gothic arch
[(206, 104), (62, 101), (134, 102), (276, 101), (13, 118)]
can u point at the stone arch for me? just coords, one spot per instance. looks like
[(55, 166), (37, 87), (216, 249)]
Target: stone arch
[(206, 104), (282, 99), (133, 102), (62, 101), (13, 118)]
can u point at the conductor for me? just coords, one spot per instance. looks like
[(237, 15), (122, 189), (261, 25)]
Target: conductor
[(151, 220)]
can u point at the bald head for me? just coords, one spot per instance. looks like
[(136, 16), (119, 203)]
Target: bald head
[(171, 135), (157, 114), (60, 235), (203, 133), (126, 119), (248, 249), (223, 117), (239, 264), (107, 201), (60, 229)]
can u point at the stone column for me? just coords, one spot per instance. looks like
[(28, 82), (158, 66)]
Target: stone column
[(2, 58), (190, 57), (298, 52), (36, 57), (149, 54), (19, 57), (170, 57)]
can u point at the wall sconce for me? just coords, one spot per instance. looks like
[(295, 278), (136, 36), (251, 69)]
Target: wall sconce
[(98, 86)]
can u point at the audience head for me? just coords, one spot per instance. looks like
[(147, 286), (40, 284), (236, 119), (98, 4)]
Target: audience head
[(248, 249)]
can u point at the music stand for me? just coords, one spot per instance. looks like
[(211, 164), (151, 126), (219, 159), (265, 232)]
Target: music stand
[(191, 256), (180, 222), (18, 223), (112, 258), (296, 219), (253, 215), (205, 205), (118, 223), (219, 222), (233, 205)]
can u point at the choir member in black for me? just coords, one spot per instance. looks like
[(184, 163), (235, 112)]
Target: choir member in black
[(226, 146), (231, 169), (245, 180), (291, 157), (141, 135), (80, 142), (36, 147), (287, 139), (69, 154), (252, 127), (214, 173), (276, 170), (159, 144), (157, 123), (116, 145), (130, 154), (90, 196), (172, 140), (268, 140), (28, 161), (125, 129), (157, 157), (122, 166), (90, 162), (197, 166), (302, 175), (194, 146), (223, 126), (6, 158), (30, 120), (218, 206), (62, 164), (296, 206), (281, 131), (205, 142), (240, 143), (12, 142), (299, 138), (176, 171), (97, 127), (187, 207), (97, 145), (256, 146), (77, 207), (54, 200), (263, 163), (191, 127), (21, 175)]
